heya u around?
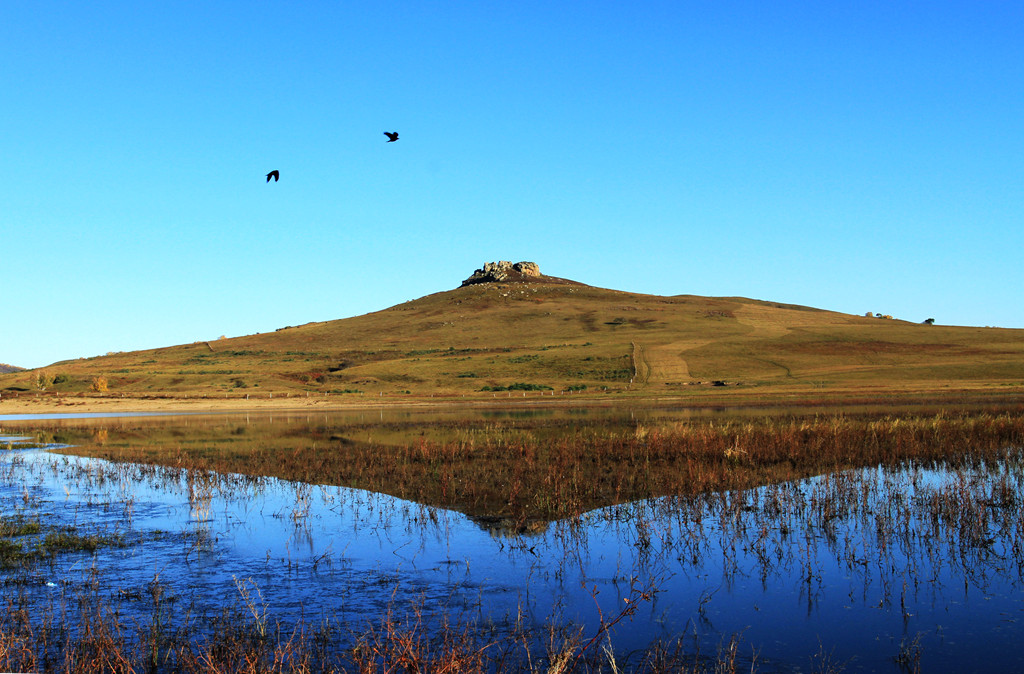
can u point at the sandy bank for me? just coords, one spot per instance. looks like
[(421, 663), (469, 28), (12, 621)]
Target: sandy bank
[(29, 403), (52, 404)]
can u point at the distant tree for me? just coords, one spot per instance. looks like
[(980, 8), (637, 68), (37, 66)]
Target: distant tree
[(43, 380), (99, 384), (929, 321)]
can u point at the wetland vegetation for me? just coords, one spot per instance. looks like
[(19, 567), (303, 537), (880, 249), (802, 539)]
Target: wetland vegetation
[(545, 540)]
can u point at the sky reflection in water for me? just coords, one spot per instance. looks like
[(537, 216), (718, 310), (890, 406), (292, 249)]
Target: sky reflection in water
[(846, 570)]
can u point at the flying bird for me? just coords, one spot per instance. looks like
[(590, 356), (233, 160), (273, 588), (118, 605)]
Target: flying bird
[(273, 174), (392, 136)]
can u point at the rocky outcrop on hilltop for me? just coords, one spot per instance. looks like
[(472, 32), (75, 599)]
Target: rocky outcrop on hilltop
[(494, 272)]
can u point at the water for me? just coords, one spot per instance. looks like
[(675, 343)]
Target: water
[(871, 570)]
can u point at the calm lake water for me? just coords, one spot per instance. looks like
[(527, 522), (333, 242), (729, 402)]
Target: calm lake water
[(880, 569)]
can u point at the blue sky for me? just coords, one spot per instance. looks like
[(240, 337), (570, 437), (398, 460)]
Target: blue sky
[(853, 156)]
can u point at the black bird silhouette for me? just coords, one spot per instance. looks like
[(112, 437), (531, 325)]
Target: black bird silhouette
[(392, 136), (273, 174)]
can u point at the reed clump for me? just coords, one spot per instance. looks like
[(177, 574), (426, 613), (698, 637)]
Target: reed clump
[(404, 639)]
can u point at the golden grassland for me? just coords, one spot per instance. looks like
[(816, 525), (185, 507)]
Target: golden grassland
[(547, 337)]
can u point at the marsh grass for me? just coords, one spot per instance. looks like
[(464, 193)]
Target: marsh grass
[(552, 471), (24, 539)]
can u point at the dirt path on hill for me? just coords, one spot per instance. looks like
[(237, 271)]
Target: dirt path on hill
[(641, 368)]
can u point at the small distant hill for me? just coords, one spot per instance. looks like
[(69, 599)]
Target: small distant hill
[(4, 368), (509, 328)]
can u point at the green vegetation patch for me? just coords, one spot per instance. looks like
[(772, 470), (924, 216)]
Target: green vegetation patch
[(25, 540), (518, 386), (18, 525)]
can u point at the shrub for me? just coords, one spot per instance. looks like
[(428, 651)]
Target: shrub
[(99, 384), (518, 386)]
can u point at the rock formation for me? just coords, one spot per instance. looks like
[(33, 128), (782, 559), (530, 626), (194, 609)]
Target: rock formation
[(493, 272)]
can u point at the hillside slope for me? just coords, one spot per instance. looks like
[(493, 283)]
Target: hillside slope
[(550, 332)]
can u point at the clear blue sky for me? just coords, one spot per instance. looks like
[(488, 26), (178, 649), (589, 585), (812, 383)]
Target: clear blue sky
[(853, 156)]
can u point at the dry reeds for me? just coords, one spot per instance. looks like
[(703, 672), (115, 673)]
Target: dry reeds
[(559, 471)]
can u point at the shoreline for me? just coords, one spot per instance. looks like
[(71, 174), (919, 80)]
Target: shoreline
[(41, 405)]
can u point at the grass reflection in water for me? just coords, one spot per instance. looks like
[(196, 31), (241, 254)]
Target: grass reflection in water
[(538, 470), (729, 558)]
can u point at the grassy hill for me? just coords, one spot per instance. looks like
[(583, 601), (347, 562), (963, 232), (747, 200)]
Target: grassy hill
[(4, 368), (551, 334)]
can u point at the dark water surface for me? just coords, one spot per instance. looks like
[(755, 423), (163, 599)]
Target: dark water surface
[(881, 569)]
